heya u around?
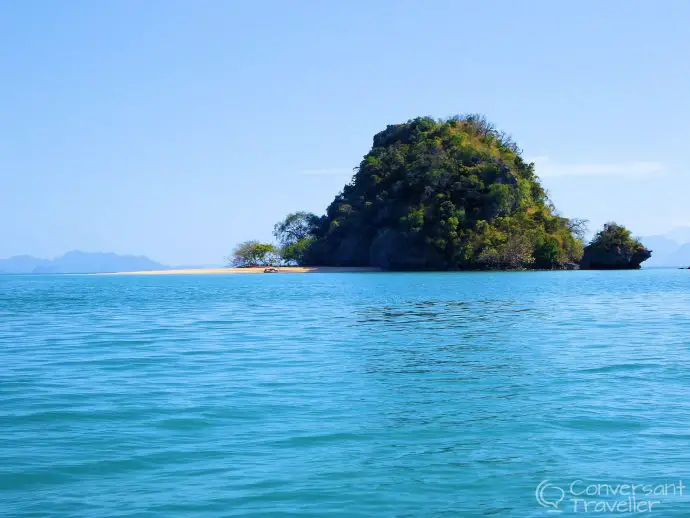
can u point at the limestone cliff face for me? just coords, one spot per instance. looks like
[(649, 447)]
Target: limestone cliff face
[(616, 258)]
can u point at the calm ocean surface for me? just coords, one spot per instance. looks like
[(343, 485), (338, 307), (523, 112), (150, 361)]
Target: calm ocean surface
[(395, 394)]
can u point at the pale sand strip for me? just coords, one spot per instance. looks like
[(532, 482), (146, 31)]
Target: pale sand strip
[(281, 269)]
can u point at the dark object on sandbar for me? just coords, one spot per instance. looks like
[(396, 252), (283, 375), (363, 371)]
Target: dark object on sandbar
[(271, 269)]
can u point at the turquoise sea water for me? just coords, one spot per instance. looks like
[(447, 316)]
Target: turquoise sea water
[(415, 394)]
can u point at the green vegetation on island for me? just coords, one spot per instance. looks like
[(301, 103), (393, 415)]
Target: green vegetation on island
[(431, 194), (296, 234), (614, 248), (452, 194)]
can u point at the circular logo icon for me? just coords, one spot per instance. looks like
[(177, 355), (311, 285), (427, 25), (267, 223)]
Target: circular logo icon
[(549, 495)]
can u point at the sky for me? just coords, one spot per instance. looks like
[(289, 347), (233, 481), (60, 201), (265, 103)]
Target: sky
[(176, 129)]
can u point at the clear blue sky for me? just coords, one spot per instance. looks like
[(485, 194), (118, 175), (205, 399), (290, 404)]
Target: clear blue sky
[(176, 129)]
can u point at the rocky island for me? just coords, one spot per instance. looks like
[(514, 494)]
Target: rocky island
[(453, 194), (440, 195), (614, 248)]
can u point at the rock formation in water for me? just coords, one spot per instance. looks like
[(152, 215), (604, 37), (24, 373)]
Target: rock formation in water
[(614, 248), (439, 195)]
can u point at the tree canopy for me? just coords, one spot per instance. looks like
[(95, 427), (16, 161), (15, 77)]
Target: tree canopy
[(253, 253), (296, 235), (441, 194), (615, 236), (295, 227)]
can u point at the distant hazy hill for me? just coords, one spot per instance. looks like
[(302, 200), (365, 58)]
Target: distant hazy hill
[(680, 257), (79, 262), (662, 247), (670, 249), (20, 264), (680, 234)]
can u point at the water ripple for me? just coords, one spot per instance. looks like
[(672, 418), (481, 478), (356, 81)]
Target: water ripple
[(344, 395)]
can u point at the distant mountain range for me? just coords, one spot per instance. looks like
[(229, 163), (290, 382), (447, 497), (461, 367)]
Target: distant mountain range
[(79, 262), (671, 249)]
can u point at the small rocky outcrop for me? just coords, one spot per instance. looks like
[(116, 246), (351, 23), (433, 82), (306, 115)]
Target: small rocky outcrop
[(614, 248), (613, 259)]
